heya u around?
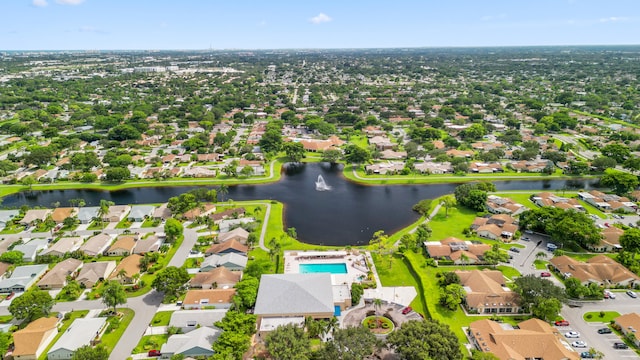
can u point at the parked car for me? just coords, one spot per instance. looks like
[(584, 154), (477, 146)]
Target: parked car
[(579, 344), (154, 353), (545, 274), (604, 331), (572, 334), (10, 296), (632, 294), (552, 247), (609, 295), (526, 238), (562, 323), (587, 355), (406, 310), (620, 345), (515, 249)]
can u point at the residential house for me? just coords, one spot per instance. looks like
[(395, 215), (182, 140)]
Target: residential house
[(94, 272), (460, 153), (610, 240), (31, 249), (228, 224), (531, 339), (96, 245), (430, 167), (497, 227), (485, 168), (203, 210), (57, 277), (162, 212), (199, 299), (30, 342), (456, 250), (315, 145), (384, 168), (140, 213), (290, 298), (197, 343), (499, 205), (608, 202), (219, 277), (83, 331), (22, 278), (63, 246), (535, 166), (239, 234), (393, 155), (116, 213), (551, 199), (34, 215), (189, 320), (256, 166), (226, 214), (149, 244), (127, 270), (231, 261), (87, 214), (600, 269), (231, 246), (7, 216), (629, 325), (381, 143), (60, 214), (198, 172), (487, 293), (123, 246)]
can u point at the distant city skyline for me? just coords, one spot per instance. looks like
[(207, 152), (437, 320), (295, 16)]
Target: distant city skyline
[(261, 24)]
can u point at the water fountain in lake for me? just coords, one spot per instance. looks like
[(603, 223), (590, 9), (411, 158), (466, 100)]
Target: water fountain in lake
[(321, 185)]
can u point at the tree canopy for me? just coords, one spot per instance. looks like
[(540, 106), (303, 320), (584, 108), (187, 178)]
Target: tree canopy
[(621, 182), (113, 295), (170, 280), (289, 342), (565, 227), (428, 339), (31, 305), (352, 343)]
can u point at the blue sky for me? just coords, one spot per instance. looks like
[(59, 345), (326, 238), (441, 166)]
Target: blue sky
[(272, 24)]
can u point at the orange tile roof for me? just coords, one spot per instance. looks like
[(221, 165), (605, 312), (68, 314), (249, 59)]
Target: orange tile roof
[(28, 340)]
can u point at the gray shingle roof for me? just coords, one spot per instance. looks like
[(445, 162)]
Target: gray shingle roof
[(80, 333), (294, 294)]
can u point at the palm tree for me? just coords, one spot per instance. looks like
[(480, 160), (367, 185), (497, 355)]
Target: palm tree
[(448, 201), (377, 304), (331, 325), (541, 255), (464, 259), (223, 189), (122, 274), (103, 209)]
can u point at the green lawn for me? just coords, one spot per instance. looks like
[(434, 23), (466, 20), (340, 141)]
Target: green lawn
[(63, 328), (5, 319), (594, 316), (150, 342), (161, 318), (117, 328), (150, 223), (124, 224), (397, 273), (457, 319), (540, 264), (522, 199)]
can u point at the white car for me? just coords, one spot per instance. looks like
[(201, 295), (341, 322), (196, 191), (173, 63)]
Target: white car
[(572, 334), (579, 344)]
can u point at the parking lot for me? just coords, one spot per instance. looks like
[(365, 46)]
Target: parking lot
[(589, 330)]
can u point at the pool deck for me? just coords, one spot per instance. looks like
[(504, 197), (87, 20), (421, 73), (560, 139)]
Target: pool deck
[(356, 264)]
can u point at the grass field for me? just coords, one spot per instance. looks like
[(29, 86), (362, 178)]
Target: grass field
[(161, 318), (117, 328), (150, 342), (595, 316)]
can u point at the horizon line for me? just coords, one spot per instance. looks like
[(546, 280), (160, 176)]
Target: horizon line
[(325, 48)]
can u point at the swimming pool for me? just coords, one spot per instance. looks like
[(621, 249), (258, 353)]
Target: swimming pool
[(337, 268)]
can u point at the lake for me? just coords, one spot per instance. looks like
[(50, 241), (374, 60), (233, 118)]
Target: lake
[(348, 214)]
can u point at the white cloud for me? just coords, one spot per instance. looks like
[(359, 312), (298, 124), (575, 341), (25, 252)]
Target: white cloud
[(40, 3), (613, 19), (320, 18), (69, 2)]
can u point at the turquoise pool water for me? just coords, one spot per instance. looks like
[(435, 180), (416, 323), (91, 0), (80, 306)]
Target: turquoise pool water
[(338, 268)]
